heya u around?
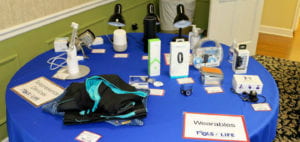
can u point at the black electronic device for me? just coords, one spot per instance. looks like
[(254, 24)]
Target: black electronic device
[(250, 97), (253, 96), (150, 22)]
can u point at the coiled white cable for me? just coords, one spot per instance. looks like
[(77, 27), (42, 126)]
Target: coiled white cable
[(52, 61)]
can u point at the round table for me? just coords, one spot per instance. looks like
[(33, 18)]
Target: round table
[(164, 121)]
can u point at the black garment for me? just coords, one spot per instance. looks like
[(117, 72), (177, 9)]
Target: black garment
[(111, 104)]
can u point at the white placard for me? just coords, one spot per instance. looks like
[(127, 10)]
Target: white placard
[(38, 91), (187, 80), (98, 51), (216, 127), (61, 74), (87, 136), (261, 107), (167, 58), (120, 55), (213, 89), (157, 92)]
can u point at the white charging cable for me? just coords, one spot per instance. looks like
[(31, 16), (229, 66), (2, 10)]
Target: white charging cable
[(52, 61)]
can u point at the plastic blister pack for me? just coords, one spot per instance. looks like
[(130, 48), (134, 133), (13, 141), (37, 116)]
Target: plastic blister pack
[(207, 53)]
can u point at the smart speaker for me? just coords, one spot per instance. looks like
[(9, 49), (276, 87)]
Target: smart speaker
[(149, 30), (120, 40)]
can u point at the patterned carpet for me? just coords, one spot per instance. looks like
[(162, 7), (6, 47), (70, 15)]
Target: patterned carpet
[(287, 76)]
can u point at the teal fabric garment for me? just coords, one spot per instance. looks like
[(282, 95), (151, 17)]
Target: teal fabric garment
[(92, 84)]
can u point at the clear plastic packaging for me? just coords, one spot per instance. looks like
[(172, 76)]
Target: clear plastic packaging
[(207, 53)]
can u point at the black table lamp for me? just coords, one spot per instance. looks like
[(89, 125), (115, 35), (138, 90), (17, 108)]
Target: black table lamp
[(181, 21), (150, 10), (117, 19)]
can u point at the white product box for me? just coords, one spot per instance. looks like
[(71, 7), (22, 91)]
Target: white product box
[(180, 58), (240, 60), (247, 83), (60, 44), (154, 57)]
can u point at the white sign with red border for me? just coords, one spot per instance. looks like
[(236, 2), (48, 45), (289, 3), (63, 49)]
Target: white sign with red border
[(217, 127)]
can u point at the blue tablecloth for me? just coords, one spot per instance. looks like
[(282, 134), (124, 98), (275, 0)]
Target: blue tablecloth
[(165, 113)]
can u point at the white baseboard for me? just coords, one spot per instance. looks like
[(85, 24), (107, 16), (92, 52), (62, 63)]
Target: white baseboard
[(276, 31), (31, 25), (5, 140)]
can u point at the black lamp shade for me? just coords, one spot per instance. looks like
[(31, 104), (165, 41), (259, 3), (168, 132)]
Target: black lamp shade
[(150, 9), (181, 20), (117, 19)]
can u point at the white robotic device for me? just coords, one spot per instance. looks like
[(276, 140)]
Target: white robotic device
[(73, 69)]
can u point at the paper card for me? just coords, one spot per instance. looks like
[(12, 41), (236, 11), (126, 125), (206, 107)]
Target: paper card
[(61, 74), (157, 92), (87, 136), (213, 89), (216, 127), (187, 80), (38, 91), (167, 59), (121, 55), (98, 51), (145, 57), (261, 107), (139, 82)]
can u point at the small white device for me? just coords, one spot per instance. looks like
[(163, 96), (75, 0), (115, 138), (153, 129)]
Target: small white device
[(180, 58), (154, 56), (60, 44), (240, 59), (194, 36), (120, 40), (72, 61), (74, 70), (247, 83)]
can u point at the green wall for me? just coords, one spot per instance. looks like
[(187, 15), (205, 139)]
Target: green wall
[(17, 51), (201, 14)]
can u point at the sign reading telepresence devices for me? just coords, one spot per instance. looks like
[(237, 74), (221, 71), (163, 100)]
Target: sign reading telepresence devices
[(38, 91), (216, 127), (180, 58)]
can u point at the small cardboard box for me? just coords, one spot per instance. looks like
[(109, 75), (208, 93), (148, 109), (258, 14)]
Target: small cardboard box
[(211, 76), (247, 83)]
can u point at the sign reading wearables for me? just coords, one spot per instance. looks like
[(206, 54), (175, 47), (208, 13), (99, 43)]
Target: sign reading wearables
[(214, 127)]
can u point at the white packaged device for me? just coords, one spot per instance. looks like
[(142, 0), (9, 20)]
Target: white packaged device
[(247, 83), (240, 59), (180, 58), (154, 57), (61, 44)]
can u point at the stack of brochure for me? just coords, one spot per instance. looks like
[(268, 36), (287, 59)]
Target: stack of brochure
[(211, 76)]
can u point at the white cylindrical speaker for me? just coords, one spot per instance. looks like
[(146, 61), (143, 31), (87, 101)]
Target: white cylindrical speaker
[(120, 40)]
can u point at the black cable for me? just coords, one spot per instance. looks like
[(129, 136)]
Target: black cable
[(245, 97), (265, 99)]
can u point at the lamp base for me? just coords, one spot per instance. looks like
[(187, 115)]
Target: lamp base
[(180, 38), (83, 71)]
